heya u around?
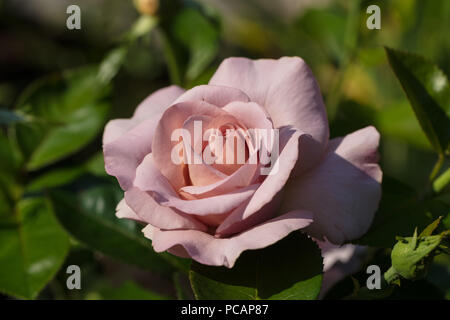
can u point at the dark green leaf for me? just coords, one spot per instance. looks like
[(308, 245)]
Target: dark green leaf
[(291, 269), (182, 288), (33, 248), (91, 219), (428, 91), (67, 112)]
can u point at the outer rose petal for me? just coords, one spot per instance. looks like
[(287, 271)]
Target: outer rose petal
[(209, 250), (287, 89), (339, 262), (215, 95), (123, 211), (158, 102), (154, 105), (148, 210), (343, 191), (127, 141)]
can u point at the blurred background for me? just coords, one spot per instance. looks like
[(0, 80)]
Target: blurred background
[(66, 84)]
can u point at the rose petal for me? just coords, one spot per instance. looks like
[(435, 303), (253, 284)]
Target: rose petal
[(218, 96), (287, 89), (123, 155), (209, 250), (250, 113), (123, 211), (127, 141), (343, 191), (273, 183), (149, 211), (148, 178), (158, 102), (153, 106), (241, 178), (171, 121)]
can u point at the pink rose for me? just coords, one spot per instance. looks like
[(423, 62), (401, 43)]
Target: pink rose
[(211, 212)]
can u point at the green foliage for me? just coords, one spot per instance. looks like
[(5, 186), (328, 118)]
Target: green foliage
[(67, 112), (33, 248), (291, 269), (91, 219), (197, 34), (428, 91)]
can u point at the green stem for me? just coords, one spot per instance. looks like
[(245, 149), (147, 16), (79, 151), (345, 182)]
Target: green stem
[(442, 181), (437, 168)]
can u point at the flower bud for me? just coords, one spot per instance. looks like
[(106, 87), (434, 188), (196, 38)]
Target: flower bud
[(412, 256), (147, 7)]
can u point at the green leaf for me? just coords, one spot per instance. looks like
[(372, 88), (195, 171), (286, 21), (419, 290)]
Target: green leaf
[(197, 34), (182, 288), (291, 269), (67, 112), (428, 91), (33, 248), (55, 178), (428, 231), (9, 157), (90, 218), (399, 121)]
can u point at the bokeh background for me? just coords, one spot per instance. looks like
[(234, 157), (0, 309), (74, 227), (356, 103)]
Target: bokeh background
[(185, 46)]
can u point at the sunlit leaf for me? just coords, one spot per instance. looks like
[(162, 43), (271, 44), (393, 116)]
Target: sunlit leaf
[(33, 248), (428, 91)]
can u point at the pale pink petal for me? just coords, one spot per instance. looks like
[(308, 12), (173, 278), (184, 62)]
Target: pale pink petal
[(235, 223), (215, 95), (158, 102), (123, 155), (343, 191), (207, 249), (127, 141), (171, 122), (149, 211), (153, 106), (251, 114), (242, 177), (200, 173), (287, 89), (148, 178), (123, 211), (339, 262), (275, 180), (114, 129)]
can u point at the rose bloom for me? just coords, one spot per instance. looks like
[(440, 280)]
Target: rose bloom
[(211, 212)]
